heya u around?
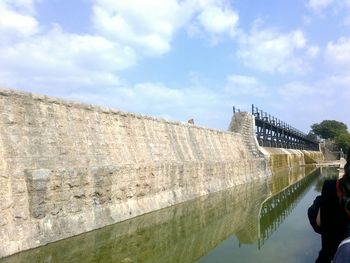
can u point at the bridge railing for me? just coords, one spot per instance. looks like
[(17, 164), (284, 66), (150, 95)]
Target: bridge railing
[(272, 132)]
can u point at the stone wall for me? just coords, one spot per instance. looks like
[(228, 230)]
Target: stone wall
[(67, 168)]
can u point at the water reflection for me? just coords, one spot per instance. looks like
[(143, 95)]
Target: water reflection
[(327, 173), (276, 208), (186, 232)]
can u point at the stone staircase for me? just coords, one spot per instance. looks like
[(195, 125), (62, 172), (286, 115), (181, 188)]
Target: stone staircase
[(243, 123)]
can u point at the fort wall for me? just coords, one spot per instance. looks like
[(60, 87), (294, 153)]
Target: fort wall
[(68, 168)]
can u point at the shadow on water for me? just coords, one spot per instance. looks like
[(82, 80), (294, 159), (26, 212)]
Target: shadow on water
[(188, 231)]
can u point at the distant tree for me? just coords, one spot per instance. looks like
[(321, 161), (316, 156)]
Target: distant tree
[(329, 129), (343, 141)]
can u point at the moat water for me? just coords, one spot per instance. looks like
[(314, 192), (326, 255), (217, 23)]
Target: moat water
[(263, 221)]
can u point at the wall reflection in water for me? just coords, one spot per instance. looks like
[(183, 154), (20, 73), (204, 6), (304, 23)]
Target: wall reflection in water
[(276, 208), (186, 232)]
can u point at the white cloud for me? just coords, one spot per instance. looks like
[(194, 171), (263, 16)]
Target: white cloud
[(60, 56), (158, 94), (213, 19), (294, 90), (147, 25), (242, 81), (318, 5), (326, 98), (218, 19), (338, 84), (139, 28), (313, 51), (270, 51), (59, 50), (125, 31), (240, 85), (16, 24), (55, 58), (22, 6), (338, 53), (329, 89), (335, 8)]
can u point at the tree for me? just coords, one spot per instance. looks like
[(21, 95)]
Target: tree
[(343, 141), (329, 129), (312, 136)]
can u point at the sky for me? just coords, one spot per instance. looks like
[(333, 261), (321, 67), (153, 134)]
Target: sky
[(184, 59)]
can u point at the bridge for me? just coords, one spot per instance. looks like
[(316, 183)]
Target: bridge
[(272, 132)]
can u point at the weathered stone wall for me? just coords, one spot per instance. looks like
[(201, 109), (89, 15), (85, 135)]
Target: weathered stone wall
[(68, 168)]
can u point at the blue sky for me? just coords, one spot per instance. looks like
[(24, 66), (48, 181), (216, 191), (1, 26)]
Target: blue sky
[(182, 59)]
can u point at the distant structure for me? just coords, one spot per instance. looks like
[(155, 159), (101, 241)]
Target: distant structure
[(272, 132)]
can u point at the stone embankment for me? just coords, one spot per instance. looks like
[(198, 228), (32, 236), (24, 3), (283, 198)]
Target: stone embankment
[(68, 168)]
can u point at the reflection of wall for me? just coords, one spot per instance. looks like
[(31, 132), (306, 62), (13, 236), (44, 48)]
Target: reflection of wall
[(68, 168), (284, 178), (276, 208)]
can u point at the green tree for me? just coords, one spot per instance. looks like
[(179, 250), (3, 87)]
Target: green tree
[(329, 129), (343, 141)]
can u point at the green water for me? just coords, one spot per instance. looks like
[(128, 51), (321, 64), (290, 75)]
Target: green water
[(263, 221)]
